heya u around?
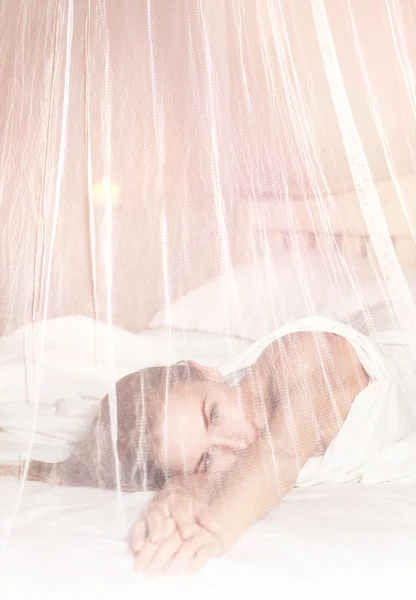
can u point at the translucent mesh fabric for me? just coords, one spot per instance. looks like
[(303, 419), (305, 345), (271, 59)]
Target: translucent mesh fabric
[(148, 148), (191, 113)]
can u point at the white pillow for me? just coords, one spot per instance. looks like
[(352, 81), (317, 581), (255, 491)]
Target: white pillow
[(253, 300)]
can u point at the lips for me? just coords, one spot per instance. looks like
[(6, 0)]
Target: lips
[(256, 432)]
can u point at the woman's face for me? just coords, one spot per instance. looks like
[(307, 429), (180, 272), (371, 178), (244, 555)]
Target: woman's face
[(204, 427)]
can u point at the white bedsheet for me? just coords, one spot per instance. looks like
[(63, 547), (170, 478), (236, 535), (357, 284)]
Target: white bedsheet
[(346, 541)]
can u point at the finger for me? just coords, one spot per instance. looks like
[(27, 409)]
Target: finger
[(145, 556), (202, 557), (165, 530), (162, 503), (164, 554), (156, 523), (138, 535), (184, 555), (148, 549), (205, 518), (169, 528), (183, 513)]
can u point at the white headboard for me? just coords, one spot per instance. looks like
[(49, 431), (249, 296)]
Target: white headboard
[(336, 222)]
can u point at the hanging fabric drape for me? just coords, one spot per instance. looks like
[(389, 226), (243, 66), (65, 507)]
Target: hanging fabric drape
[(179, 178)]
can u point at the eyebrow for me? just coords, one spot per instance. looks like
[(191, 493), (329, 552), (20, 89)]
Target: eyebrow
[(204, 416)]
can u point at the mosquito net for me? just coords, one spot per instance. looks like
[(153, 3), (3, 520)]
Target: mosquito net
[(178, 180)]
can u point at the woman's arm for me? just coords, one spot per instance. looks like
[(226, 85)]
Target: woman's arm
[(320, 377)]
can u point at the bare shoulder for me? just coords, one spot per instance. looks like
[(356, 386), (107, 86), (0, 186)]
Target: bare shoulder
[(318, 357), (321, 375)]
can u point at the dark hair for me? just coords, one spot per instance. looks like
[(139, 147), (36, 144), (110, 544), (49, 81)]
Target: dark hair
[(139, 401)]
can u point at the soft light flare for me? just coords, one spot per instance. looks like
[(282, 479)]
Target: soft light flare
[(106, 191)]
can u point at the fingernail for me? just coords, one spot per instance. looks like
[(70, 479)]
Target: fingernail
[(213, 526)]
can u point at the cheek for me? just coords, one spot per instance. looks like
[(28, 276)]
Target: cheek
[(234, 415), (223, 461), (179, 421)]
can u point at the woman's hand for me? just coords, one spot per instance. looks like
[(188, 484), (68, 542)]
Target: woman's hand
[(174, 554), (171, 509)]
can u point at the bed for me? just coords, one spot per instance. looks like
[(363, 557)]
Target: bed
[(325, 541)]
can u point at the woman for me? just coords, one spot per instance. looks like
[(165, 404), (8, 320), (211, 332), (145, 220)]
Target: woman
[(185, 424), (224, 455), (236, 452), (288, 407)]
